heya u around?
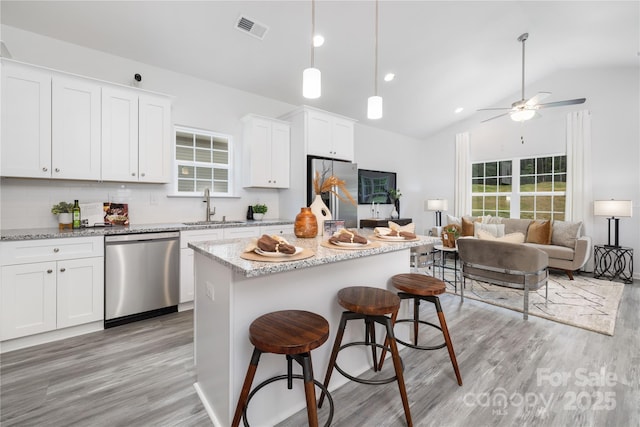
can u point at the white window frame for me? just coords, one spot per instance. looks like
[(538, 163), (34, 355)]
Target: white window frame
[(229, 166), (515, 194)]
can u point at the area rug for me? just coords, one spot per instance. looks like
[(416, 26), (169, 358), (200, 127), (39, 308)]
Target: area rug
[(585, 302)]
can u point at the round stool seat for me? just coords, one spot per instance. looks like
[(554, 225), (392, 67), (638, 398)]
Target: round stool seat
[(368, 300), (418, 284), (289, 332)]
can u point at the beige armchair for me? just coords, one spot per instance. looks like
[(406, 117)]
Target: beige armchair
[(512, 265)]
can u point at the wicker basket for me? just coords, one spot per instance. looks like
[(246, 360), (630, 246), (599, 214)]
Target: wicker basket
[(449, 237)]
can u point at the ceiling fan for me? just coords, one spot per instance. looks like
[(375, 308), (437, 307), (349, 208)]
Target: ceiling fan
[(526, 109)]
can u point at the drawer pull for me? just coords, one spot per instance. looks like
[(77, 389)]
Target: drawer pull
[(56, 250), (57, 170), (44, 169), (62, 270), (49, 271)]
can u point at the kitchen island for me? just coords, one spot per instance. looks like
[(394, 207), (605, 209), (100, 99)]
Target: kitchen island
[(231, 292)]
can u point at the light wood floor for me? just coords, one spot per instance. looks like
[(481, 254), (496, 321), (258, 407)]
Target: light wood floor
[(533, 373)]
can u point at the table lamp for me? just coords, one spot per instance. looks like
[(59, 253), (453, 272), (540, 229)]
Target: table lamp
[(613, 209), (437, 205)]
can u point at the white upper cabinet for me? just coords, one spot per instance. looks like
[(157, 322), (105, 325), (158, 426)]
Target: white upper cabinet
[(136, 136), (154, 139), (75, 131), (57, 125), (26, 122), (119, 135), (329, 135), (266, 152)]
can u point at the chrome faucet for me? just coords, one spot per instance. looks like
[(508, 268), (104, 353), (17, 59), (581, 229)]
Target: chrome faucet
[(207, 200)]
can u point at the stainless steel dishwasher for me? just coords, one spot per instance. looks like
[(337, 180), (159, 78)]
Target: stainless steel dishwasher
[(142, 276)]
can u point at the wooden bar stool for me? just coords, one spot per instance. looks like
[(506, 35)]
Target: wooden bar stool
[(293, 333), (422, 287), (371, 305)]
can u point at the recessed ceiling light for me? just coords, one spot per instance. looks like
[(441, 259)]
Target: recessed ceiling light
[(389, 76), (458, 110), (318, 40)]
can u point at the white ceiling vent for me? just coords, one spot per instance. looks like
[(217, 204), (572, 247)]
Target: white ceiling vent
[(251, 27)]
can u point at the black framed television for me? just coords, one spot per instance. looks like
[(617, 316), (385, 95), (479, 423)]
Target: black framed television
[(374, 186)]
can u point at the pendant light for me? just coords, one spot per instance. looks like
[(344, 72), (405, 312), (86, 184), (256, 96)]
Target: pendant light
[(374, 103), (311, 77)]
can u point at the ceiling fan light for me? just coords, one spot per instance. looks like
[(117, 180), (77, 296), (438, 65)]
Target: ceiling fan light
[(311, 83), (374, 107), (522, 115)]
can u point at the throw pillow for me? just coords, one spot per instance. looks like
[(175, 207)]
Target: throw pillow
[(509, 238), (454, 220), (496, 230), (467, 225), (539, 232), (493, 220), (564, 233)]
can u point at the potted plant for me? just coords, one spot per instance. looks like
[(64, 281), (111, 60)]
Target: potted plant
[(259, 210), (63, 210), (450, 234)]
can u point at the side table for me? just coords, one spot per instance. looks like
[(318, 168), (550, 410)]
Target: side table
[(443, 266), (613, 262)]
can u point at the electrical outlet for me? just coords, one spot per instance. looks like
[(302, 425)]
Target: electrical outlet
[(153, 198), (209, 290)]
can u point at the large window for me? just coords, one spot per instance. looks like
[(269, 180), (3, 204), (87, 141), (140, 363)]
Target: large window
[(203, 160), (531, 188)]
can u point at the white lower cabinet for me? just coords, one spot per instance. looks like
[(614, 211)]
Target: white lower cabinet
[(276, 229), (186, 258), (241, 232), (60, 284), (80, 292)]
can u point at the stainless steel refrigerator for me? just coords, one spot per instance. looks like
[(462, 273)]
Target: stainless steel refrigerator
[(346, 171)]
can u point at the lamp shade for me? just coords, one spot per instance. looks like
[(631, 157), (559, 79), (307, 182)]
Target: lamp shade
[(522, 115), (311, 83), (612, 208), (374, 107), (436, 205)]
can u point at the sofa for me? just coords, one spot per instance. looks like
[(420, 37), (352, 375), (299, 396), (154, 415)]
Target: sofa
[(568, 250), (512, 265)]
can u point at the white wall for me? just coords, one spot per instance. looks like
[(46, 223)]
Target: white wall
[(387, 151), (613, 97)]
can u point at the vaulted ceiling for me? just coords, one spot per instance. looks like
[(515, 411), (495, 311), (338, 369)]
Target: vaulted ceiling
[(445, 54)]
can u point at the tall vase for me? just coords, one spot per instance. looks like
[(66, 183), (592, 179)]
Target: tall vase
[(396, 204), (306, 225), (321, 211)]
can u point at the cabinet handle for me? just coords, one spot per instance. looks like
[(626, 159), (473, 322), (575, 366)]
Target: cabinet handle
[(62, 270), (57, 170), (44, 169), (142, 174), (49, 271), (56, 250), (133, 174)]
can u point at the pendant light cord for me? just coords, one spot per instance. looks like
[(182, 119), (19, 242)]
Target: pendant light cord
[(375, 87), (313, 30)]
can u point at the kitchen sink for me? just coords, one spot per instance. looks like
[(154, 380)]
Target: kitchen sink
[(213, 222)]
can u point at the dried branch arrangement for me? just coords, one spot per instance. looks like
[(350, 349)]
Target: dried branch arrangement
[(332, 184)]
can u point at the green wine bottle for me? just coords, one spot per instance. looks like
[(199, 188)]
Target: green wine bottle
[(76, 214)]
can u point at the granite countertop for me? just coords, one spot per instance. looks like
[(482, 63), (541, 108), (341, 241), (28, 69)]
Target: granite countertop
[(229, 253), (54, 232)]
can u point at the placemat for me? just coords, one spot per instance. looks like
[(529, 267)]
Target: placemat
[(371, 245), (252, 256)]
